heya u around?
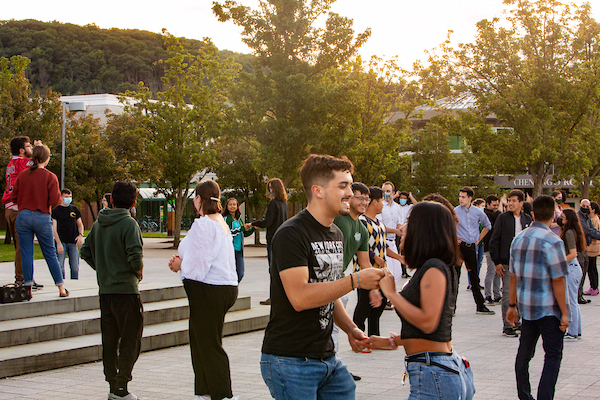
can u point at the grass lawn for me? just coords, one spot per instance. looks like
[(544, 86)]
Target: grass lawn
[(7, 252)]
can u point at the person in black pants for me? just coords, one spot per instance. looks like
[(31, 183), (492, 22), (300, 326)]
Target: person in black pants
[(114, 249), (206, 260), (277, 214), (469, 237)]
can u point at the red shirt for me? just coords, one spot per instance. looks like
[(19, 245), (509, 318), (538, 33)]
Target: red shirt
[(15, 166), (37, 190)]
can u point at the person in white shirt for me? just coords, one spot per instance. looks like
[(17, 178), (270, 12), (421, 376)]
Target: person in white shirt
[(390, 216), (206, 261), (406, 201)]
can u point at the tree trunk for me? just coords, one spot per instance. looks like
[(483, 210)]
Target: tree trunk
[(538, 174), (180, 197), (584, 187)]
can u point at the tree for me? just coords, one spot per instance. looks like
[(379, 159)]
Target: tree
[(182, 123), (288, 99), (531, 71)]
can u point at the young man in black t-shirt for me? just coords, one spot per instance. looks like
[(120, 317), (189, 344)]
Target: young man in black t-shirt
[(68, 232), (298, 359)]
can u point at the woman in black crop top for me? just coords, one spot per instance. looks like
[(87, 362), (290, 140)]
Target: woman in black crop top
[(426, 306)]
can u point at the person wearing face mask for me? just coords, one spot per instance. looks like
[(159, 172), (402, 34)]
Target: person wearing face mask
[(68, 232), (590, 234), (558, 202), (277, 214), (406, 201)]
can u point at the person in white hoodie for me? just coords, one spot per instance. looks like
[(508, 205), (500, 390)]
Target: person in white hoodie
[(206, 261)]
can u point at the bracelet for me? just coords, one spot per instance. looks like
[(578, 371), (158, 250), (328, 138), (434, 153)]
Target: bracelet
[(358, 280), (512, 305), (393, 343), (352, 281)]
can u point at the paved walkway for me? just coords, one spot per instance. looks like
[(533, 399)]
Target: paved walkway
[(167, 374)]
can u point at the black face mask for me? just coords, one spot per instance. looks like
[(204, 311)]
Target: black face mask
[(559, 221), (585, 210)]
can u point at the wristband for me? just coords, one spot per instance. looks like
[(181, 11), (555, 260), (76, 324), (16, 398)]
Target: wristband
[(393, 337), (351, 281), (512, 305), (358, 280)]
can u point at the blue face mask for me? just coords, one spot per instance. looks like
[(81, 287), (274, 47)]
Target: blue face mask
[(67, 200), (402, 202)]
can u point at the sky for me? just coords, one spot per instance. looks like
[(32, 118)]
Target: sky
[(403, 28)]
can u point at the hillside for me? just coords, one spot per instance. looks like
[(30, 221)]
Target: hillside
[(73, 59)]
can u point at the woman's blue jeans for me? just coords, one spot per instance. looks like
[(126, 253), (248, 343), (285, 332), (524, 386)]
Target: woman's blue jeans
[(573, 280), (36, 222), (429, 381)]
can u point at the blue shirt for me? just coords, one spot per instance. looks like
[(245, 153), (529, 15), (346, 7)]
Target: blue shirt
[(536, 257), (469, 219)]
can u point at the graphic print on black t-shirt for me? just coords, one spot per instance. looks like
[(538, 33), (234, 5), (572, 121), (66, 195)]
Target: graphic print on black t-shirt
[(330, 259)]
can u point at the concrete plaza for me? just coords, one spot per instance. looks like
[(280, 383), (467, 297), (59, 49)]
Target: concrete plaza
[(167, 374)]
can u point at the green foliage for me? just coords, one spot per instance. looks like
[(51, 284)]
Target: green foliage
[(75, 59), (533, 72), (180, 127)]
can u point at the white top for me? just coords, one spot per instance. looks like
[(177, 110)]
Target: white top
[(207, 254), (404, 211), (390, 216), (518, 227)]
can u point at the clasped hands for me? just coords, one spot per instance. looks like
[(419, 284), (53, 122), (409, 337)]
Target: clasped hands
[(373, 278)]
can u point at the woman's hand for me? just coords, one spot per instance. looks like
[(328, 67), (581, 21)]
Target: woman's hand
[(387, 283), (175, 263), (379, 342)]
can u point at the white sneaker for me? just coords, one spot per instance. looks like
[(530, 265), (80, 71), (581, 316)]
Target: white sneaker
[(130, 396), (232, 398), (197, 397), (570, 338)]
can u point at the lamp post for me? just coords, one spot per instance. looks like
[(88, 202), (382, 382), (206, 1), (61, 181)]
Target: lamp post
[(75, 106)]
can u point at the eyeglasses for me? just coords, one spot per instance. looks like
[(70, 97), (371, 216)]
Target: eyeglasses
[(362, 198)]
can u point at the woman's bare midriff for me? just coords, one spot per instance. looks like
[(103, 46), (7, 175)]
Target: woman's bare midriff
[(412, 346)]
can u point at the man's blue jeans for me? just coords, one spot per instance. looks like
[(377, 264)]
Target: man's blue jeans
[(552, 338), (72, 251), (38, 223), (290, 378)]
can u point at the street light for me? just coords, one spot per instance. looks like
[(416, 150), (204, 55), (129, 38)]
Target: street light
[(75, 106)]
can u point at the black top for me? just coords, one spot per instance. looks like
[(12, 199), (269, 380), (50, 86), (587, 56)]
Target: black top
[(302, 241), (503, 235), (412, 293), (66, 219), (492, 216), (277, 214)]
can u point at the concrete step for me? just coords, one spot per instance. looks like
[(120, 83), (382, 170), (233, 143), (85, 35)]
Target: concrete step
[(42, 356), (43, 304), (60, 326)]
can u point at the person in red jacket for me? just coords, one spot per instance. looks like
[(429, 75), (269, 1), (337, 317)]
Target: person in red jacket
[(36, 191), (20, 148)]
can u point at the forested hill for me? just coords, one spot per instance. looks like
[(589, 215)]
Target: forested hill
[(73, 59)]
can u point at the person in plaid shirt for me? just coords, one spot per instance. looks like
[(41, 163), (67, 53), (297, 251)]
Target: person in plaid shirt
[(538, 265)]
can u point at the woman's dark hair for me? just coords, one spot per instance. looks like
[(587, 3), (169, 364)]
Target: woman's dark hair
[(527, 208), (40, 155), (430, 233), (438, 198), (107, 197), (407, 195), (574, 224), (226, 212), (208, 192), (278, 189)]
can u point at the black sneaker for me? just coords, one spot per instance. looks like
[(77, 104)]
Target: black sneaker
[(355, 377), (581, 300), (498, 299), (405, 276), (36, 286), (485, 311), (468, 287), (510, 332), (489, 301)]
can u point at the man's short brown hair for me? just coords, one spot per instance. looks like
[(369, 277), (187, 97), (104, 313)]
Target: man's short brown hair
[(318, 169)]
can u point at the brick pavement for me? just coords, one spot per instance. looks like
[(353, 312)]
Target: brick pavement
[(167, 374)]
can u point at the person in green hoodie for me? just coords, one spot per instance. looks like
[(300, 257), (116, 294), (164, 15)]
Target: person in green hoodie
[(239, 231), (114, 249)]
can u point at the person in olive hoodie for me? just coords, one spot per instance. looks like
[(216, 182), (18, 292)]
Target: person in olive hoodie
[(114, 249)]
